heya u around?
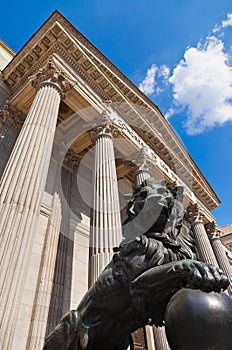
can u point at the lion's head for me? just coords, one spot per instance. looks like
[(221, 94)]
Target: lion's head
[(156, 210)]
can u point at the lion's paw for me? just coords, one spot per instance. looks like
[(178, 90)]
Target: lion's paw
[(199, 275)]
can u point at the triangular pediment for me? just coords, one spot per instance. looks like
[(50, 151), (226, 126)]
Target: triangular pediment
[(58, 38)]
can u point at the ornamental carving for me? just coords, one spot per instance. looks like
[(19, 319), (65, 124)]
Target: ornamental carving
[(104, 126), (72, 160), (212, 230), (143, 162), (53, 75), (66, 156), (195, 214), (10, 117), (5, 112)]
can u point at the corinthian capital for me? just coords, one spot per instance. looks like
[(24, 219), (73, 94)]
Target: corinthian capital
[(104, 126), (143, 162), (195, 214), (51, 74), (212, 230)]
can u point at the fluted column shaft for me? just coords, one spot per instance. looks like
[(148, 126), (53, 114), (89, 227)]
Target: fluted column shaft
[(140, 176), (106, 230), (161, 342), (203, 246), (204, 249), (223, 262), (43, 293), (21, 188)]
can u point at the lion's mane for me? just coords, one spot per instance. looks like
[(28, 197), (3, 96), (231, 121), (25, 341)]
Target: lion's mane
[(156, 210)]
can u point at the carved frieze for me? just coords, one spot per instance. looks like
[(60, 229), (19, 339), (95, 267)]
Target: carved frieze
[(107, 81), (10, 117)]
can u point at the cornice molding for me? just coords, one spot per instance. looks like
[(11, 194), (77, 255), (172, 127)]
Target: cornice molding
[(58, 36)]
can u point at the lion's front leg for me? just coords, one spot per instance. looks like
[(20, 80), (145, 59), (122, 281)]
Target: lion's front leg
[(162, 280), (65, 333), (200, 275)]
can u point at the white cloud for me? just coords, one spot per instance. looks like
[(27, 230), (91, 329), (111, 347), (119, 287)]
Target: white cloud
[(147, 86), (225, 23), (170, 113), (216, 29), (164, 72), (202, 83), (228, 21)]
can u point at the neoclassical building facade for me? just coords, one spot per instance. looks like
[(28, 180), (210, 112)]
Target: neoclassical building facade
[(76, 137)]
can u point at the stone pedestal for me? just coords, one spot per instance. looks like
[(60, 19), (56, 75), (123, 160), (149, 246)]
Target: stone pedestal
[(106, 230), (21, 188)]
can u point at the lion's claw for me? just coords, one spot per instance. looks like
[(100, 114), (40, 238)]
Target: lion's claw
[(204, 276)]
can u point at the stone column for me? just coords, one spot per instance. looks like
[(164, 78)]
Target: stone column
[(21, 189), (150, 338), (44, 285), (214, 236), (142, 169), (161, 342), (203, 246), (106, 228)]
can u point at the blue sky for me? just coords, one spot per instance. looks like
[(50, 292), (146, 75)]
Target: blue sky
[(178, 52)]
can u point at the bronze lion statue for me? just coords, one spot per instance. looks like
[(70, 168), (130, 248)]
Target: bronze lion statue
[(154, 261)]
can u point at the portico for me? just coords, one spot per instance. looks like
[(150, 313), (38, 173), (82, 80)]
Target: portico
[(86, 137)]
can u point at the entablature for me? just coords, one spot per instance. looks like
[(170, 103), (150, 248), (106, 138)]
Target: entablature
[(94, 72)]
